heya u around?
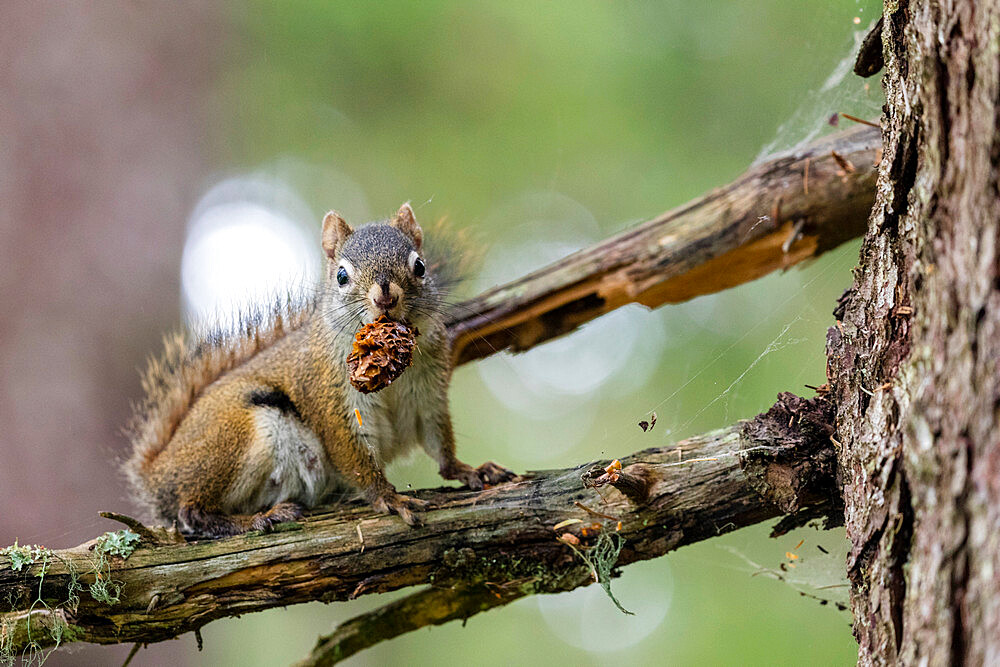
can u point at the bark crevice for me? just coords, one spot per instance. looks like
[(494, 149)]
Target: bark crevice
[(914, 359)]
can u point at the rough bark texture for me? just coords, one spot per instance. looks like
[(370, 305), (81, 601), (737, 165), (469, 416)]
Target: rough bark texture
[(914, 360), (503, 537)]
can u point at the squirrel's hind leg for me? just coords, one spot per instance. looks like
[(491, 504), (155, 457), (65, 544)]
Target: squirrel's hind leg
[(199, 523), (280, 470)]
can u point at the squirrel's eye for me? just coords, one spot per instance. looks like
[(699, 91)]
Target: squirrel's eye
[(418, 268), (342, 276)]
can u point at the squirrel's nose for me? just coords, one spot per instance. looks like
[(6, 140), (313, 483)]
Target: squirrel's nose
[(384, 300)]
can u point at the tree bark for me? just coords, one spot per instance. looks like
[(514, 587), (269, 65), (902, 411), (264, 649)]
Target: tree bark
[(914, 358)]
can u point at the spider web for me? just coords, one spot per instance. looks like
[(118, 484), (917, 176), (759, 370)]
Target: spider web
[(841, 92)]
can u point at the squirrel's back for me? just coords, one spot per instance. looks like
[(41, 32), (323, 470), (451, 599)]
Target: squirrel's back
[(189, 363)]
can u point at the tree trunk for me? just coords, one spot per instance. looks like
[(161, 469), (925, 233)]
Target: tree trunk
[(914, 358)]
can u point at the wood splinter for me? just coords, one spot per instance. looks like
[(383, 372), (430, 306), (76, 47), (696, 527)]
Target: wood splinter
[(149, 536), (794, 235)]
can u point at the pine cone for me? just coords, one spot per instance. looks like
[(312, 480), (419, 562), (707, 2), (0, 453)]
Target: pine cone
[(382, 350)]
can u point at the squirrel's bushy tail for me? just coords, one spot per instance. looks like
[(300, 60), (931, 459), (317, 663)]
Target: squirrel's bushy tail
[(189, 363)]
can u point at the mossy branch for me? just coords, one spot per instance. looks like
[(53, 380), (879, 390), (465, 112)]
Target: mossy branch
[(504, 539), (785, 455)]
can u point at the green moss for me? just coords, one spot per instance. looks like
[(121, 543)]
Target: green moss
[(25, 556), (601, 559), (465, 565), (105, 589), (21, 558), (287, 527), (119, 543), (6, 644)]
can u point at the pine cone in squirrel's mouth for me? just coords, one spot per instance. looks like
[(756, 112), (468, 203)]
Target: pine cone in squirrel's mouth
[(382, 350)]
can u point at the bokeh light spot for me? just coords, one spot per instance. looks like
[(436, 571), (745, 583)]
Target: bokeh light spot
[(248, 241), (587, 619)]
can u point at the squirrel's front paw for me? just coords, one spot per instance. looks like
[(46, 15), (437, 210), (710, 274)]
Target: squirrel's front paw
[(404, 506), (475, 478), (494, 473)]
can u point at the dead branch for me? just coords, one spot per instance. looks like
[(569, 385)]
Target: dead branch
[(429, 606), (770, 218)]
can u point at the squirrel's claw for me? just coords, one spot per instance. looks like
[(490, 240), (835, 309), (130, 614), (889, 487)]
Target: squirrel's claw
[(494, 473), (280, 513), (404, 506), (476, 478), (198, 523)]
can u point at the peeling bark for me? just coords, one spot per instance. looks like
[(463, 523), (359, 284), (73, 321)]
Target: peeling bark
[(790, 208), (914, 359)]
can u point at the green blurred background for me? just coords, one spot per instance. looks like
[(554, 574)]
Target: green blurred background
[(539, 128)]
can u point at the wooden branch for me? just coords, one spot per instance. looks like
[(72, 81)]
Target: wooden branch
[(802, 486), (780, 212), (503, 538), (430, 606)]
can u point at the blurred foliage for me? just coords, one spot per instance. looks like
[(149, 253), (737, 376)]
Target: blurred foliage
[(627, 109)]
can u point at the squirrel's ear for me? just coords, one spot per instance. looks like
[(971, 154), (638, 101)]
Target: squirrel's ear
[(335, 232), (406, 222)]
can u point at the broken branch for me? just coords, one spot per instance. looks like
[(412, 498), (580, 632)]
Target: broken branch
[(726, 238)]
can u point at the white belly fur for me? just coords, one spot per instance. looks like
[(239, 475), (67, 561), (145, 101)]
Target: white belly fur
[(286, 462), (392, 419)]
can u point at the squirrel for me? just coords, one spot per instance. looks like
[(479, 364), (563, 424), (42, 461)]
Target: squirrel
[(246, 429)]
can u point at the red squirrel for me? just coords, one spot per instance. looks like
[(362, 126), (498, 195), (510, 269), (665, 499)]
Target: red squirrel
[(244, 430)]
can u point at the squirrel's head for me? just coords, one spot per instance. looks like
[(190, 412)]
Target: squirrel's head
[(377, 269)]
